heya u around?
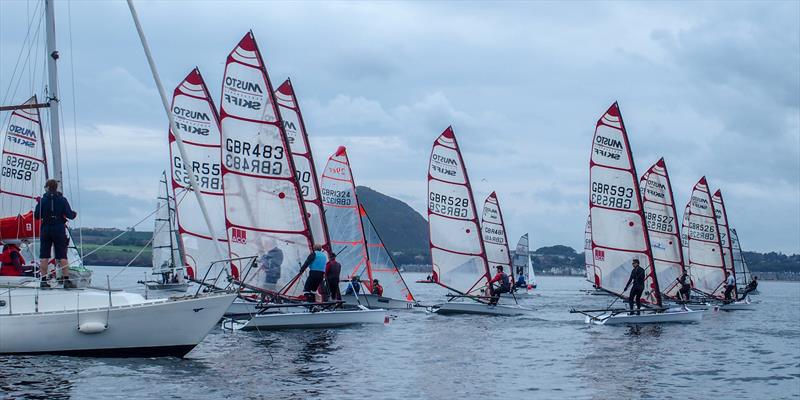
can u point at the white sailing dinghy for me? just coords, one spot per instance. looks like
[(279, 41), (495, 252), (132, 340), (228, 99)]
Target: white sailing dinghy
[(457, 248), (96, 322), (727, 251), (495, 241), (663, 228), (167, 265), (356, 242), (265, 212), (619, 230), (743, 275), (523, 266)]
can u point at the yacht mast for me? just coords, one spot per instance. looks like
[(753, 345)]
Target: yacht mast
[(52, 96)]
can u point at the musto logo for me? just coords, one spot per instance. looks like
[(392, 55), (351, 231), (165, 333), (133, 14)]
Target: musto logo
[(243, 93), (188, 121), (238, 235), (611, 148), (443, 165)]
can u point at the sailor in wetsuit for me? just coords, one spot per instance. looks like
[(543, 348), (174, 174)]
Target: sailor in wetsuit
[(504, 285), (730, 286), (316, 272), (752, 286), (686, 286), (637, 278)]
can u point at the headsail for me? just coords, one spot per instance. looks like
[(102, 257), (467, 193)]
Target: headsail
[(166, 252), (662, 225), (739, 263), (703, 248), (196, 116), (494, 235), (305, 170), (619, 233), (381, 263), (457, 249), (265, 214), (724, 232), (24, 163)]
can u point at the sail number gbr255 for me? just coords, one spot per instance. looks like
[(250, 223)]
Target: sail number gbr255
[(451, 206), (606, 195), (254, 157)]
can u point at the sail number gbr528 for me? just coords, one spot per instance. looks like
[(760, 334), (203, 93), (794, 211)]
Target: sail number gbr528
[(19, 168), (254, 157), (614, 196), (451, 206)]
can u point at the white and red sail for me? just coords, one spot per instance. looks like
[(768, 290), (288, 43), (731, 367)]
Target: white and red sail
[(24, 167), (195, 115), (457, 248), (724, 232), (265, 214), (662, 225), (381, 264), (495, 239), (521, 260), (305, 170), (619, 233), (703, 248), (587, 253)]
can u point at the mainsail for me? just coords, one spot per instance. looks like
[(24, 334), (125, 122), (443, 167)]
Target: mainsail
[(265, 214), (703, 248), (196, 116), (24, 166), (619, 233), (739, 263), (522, 260), (354, 239), (662, 225), (457, 248), (494, 235), (724, 232), (166, 252), (305, 170), (587, 253)]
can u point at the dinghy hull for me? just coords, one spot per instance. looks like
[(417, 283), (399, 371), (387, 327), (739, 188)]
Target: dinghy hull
[(688, 316), (92, 329), (310, 320), (453, 308), (375, 302)]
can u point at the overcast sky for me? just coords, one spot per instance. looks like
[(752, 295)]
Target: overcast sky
[(712, 87)]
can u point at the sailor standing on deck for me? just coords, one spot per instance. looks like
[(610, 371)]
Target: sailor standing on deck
[(54, 210), (332, 271), (730, 285), (316, 264), (637, 278), (686, 286)]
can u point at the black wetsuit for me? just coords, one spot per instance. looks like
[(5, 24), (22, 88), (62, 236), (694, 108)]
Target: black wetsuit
[(637, 278), (54, 210), (686, 287), (751, 287), (332, 271)]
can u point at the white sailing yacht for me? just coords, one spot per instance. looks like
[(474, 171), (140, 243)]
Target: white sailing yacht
[(619, 231), (458, 252), (356, 242), (93, 321)]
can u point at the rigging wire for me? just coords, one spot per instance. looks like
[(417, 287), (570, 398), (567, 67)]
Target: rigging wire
[(75, 128), (19, 56), (10, 95)]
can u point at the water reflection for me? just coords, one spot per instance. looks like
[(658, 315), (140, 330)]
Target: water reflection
[(19, 380)]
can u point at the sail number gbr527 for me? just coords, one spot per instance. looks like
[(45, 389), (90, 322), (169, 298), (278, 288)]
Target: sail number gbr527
[(451, 206), (254, 158)]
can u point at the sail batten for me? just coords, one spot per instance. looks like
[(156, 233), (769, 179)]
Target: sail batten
[(618, 228), (265, 214), (662, 226), (457, 247)]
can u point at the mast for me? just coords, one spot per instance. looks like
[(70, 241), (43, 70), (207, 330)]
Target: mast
[(52, 99)]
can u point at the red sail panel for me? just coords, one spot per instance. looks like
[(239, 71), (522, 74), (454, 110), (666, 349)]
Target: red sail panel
[(195, 115), (305, 170), (662, 225), (457, 248), (703, 248), (264, 212), (724, 232), (619, 233), (19, 227), (494, 235), (24, 166)]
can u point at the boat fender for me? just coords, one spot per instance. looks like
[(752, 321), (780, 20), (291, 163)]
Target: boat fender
[(92, 327)]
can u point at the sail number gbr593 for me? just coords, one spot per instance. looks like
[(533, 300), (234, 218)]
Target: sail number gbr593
[(254, 158), (614, 196), (451, 206)]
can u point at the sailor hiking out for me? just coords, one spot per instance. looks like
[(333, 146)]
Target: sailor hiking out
[(751, 287), (53, 209), (504, 285)]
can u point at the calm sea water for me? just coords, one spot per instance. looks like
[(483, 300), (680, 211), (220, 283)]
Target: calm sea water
[(550, 354)]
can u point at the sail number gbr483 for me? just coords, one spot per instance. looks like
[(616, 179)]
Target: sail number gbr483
[(254, 158)]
